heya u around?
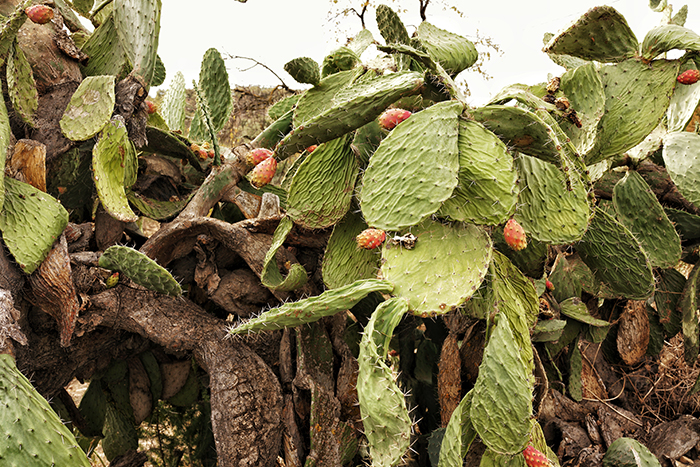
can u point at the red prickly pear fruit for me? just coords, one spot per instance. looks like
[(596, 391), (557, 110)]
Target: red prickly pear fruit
[(534, 458), (257, 155), (39, 14), (548, 284), (311, 148), (369, 239), (151, 107), (262, 174), (689, 77), (211, 153), (194, 147), (392, 117), (514, 235)]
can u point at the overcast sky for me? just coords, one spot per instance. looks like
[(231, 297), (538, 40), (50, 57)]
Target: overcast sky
[(276, 31)]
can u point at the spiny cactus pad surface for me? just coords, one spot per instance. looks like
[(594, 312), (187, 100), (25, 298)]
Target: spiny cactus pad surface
[(139, 268)]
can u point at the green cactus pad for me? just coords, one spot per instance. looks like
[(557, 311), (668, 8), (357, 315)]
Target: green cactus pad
[(627, 452), (547, 210), (393, 31), (173, 107), (687, 225), (107, 55), (530, 260), (139, 268), (444, 269), (21, 85), (312, 309), (570, 277), (30, 222), (408, 178), (549, 330), (361, 41), (638, 209), (566, 61), (282, 106), (668, 37), (366, 141), (304, 70), (138, 26), (33, 435), (454, 52), (89, 109), (93, 408), (601, 34), (341, 59), (271, 276), (574, 308), (158, 73), (459, 434), (515, 297), (320, 98), (352, 107), (109, 159), (120, 434), (502, 400), (322, 186), (214, 83), (636, 98), (616, 259), (486, 189), (688, 305), (344, 262), (584, 89), (521, 130), (274, 132), (156, 209), (668, 291), (391, 27), (382, 404), (684, 101), (680, 155), (171, 144)]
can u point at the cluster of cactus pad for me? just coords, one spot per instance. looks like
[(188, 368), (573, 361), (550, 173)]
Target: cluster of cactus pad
[(389, 154)]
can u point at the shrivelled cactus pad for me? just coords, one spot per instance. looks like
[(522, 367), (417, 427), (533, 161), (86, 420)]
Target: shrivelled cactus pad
[(444, 269)]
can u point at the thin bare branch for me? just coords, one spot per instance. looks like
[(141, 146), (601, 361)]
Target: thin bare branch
[(238, 57)]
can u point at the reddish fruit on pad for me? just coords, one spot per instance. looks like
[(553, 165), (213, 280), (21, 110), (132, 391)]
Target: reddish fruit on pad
[(689, 77), (369, 239), (514, 235), (39, 14), (534, 458), (392, 117), (151, 107), (262, 174), (257, 155)]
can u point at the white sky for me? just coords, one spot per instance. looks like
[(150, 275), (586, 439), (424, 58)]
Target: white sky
[(276, 31)]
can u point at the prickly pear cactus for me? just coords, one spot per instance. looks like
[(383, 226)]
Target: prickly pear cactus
[(382, 404), (627, 452), (34, 435), (89, 109), (312, 309), (111, 157), (502, 399), (407, 178), (30, 221), (426, 275), (140, 268)]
